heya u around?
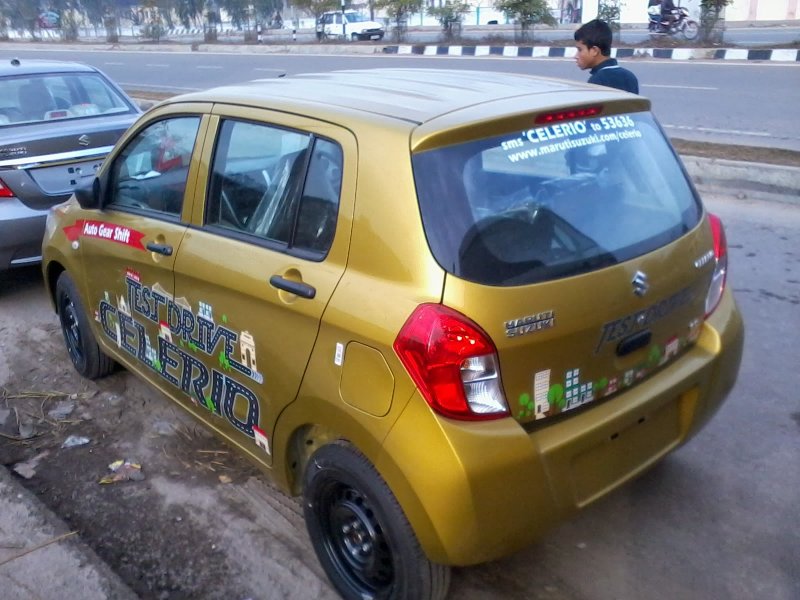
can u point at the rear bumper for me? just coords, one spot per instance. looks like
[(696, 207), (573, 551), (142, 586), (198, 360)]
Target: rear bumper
[(21, 233), (477, 491)]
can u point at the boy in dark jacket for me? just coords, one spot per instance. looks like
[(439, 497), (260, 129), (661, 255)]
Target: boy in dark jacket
[(593, 42)]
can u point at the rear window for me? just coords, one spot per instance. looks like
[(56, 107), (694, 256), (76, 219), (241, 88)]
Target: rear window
[(57, 97), (553, 201)]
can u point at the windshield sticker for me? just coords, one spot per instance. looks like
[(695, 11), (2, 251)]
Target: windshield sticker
[(182, 335), (104, 231), (552, 398), (560, 137), (530, 323)]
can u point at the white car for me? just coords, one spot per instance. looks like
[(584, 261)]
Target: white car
[(351, 25)]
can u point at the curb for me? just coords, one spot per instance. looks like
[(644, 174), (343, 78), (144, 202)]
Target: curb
[(759, 181), (41, 558), (780, 55), (783, 55)]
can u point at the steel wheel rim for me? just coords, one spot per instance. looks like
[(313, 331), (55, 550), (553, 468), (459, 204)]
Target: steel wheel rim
[(355, 541), (71, 329)]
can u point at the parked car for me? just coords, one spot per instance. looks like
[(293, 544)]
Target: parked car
[(534, 312), (350, 25), (58, 120)]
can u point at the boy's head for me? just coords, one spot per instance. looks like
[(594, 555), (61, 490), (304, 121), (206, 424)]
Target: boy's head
[(593, 41)]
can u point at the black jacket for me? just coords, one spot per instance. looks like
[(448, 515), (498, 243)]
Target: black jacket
[(610, 74)]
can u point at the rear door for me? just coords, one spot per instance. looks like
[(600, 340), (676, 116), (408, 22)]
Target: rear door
[(578, 248), (255, 273)]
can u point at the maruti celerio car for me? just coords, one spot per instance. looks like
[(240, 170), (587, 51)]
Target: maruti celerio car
[(58, 120), (448, 308)]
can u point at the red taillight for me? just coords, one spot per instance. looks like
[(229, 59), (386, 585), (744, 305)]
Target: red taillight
[(4, 191), (717, 285), (453, 362), (568, 115)]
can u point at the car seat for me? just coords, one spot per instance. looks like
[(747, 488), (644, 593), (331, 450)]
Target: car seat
[(35, 100)]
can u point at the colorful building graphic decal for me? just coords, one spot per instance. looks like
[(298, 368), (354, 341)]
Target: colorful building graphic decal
[(541, 385), (553, 398), (261, 439)]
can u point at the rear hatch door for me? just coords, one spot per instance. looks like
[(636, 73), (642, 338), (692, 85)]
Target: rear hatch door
[(581, 248)]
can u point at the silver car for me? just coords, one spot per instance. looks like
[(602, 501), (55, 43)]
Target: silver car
[(58, 120)]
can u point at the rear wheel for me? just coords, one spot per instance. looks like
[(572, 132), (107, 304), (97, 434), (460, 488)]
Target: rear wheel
[(360, 534), (355, 37), (690, 30), (84, 352)]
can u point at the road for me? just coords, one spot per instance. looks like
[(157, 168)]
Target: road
[(745, 103), (717, 520)]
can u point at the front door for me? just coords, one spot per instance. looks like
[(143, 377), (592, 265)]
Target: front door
[(256, 275), (129, 246)]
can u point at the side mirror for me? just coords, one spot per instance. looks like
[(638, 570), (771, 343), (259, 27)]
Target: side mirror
[(88, 194)]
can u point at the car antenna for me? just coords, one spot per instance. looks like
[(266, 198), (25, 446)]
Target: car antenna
[(15, 62)]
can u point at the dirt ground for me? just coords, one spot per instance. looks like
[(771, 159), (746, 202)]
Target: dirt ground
[(202, 524)]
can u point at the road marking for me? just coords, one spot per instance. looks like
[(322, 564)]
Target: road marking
[(157, 65), (167, 88), (679, 87), (269, 70), (726, 131), (116, 64), (208, 67)]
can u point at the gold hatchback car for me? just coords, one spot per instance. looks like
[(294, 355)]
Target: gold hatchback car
[(422, 299)]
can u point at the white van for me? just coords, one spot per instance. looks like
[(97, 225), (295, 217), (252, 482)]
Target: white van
[(351, 25)]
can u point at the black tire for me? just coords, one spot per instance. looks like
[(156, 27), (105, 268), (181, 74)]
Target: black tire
[(690, 30), (360, 534), (354, 37), (85, 353)]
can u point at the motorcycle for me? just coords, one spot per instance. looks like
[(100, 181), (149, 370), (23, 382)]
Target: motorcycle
[(680, 24)]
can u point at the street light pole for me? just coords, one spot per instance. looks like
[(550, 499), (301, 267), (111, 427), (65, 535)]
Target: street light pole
[(344, 27)]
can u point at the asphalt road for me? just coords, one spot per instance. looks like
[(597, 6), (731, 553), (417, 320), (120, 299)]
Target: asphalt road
[(747, 103)]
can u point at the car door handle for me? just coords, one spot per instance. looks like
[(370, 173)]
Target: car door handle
[(164, 249), (298, 288)]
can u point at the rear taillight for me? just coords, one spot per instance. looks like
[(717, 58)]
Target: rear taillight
[(4, 191), (720, 264), (453, 362)]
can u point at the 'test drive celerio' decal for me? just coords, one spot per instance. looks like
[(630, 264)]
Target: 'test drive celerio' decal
[(104, 231), (182, 334)]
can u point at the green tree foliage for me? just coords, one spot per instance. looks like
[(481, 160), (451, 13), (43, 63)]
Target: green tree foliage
[(399, 10), (317, 7), (710, 19), (609, 11), (527, 13), (449, 16)]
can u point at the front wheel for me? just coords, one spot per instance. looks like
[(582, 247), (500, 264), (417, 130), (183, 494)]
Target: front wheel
[(360, 533), (690, 30), (84, 352)]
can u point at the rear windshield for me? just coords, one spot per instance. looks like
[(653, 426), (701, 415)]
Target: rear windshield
[(553, 201), (57, 96)]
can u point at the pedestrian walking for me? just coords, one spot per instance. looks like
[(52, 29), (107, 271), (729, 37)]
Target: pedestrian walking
[(593, 42)]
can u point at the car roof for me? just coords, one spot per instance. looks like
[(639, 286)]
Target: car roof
[(16, 66), (412, 95)]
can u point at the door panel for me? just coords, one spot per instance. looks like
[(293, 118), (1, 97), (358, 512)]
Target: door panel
[(257, 272), (129, 246)]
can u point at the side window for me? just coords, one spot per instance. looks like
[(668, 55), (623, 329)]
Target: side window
[(150, 173), (255, 180), (265, 184), (319, 204)]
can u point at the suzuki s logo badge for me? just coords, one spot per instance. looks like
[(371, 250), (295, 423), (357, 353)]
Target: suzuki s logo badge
[(640, 285), (84, 140)]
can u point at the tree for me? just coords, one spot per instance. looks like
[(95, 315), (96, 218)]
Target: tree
[(527, 13), (449, 16), (399, 10), (710, 19), (609, 11), (317, 7)]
